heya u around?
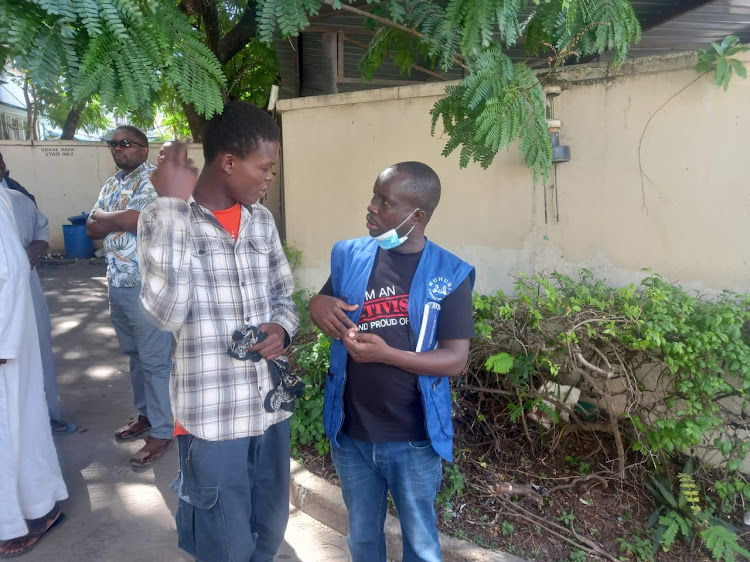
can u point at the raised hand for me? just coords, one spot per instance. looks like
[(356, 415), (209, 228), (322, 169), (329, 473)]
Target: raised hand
[(175, 174)]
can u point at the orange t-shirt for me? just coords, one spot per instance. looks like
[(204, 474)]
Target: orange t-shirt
[(179, 430), (230, 220)]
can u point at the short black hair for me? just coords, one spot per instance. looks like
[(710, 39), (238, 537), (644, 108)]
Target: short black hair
[(423, 188), (140, 135), (239, 129)]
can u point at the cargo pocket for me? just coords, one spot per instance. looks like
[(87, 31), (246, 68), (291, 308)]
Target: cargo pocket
[(202, 497), (200, 520)]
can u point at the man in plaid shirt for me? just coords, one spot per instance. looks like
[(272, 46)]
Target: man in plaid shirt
[(213, 269)]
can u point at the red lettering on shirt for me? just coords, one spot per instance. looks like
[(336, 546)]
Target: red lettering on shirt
[(396, 306)]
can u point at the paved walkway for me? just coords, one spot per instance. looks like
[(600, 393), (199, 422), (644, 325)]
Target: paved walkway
[(113, 512)]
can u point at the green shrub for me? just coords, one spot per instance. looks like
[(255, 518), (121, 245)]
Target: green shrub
[(301, 296), (680, 361), (453, 485), (312, 359), (306, 327), (631, 340)]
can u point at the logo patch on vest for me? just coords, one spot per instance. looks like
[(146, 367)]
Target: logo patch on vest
[(439, 288)]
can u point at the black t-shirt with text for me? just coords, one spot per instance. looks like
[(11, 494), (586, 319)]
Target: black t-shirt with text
[(381, 402)]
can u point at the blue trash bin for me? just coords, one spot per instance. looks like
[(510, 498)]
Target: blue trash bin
[(77, 244)]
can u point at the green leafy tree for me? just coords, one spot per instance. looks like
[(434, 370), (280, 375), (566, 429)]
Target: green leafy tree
[(229, 30), (123, 51), (131, 52), (498, 101), (57, 107)]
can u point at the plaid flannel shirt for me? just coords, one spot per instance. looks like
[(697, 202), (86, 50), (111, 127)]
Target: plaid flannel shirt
[(201, 285)]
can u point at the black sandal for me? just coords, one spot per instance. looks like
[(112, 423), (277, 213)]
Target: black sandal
[(38, 529)]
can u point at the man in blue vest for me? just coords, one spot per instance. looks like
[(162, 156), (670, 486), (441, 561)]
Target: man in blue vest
[(399, 309)]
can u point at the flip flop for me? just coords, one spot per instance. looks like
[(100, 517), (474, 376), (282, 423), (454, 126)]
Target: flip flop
[(38, 535), (63, 428)]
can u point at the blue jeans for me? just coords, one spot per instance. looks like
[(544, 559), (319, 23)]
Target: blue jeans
[(234, 496), (149, 350), (412, 472)]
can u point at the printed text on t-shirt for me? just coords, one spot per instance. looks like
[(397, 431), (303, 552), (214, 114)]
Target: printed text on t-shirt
[(383, 308)]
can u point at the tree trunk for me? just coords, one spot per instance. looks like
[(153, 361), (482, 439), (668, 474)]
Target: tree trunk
[(224, 47), (35, 120), (71, 122), (30, 132), (196, 121)]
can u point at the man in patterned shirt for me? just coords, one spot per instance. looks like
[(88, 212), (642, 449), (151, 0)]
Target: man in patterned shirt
[(213, 267), (115, 218)]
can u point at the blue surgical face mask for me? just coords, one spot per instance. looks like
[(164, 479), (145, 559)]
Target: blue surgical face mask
[(390, 239)]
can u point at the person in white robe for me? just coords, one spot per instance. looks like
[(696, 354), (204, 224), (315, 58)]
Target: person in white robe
[(31, 481), (33, 228)]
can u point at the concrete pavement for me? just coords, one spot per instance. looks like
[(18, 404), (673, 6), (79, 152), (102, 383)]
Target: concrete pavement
[(116, 513)]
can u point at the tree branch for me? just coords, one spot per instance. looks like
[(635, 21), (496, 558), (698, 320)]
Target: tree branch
[(582, 360), (384, 21), (239, 36), (391, 57), (577, 481), (485, 389), (210, 16), (388, 23), (582, 542)]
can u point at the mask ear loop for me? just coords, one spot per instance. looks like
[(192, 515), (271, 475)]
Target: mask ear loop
[(394, 231), (405, 236), (406, 219)]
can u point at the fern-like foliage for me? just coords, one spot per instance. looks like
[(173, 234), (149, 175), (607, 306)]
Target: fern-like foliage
[(192, 68), (689, 494), (723, 544), (387, 40), (683, 516), (673, 523), (580, 28), (443, 41), (429, 42), (120, 50), (484, 23), (39, 41), (288, 16), (126, 51), (497, 103)]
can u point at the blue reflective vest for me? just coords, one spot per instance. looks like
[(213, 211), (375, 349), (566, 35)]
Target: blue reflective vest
[(437, 274)]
